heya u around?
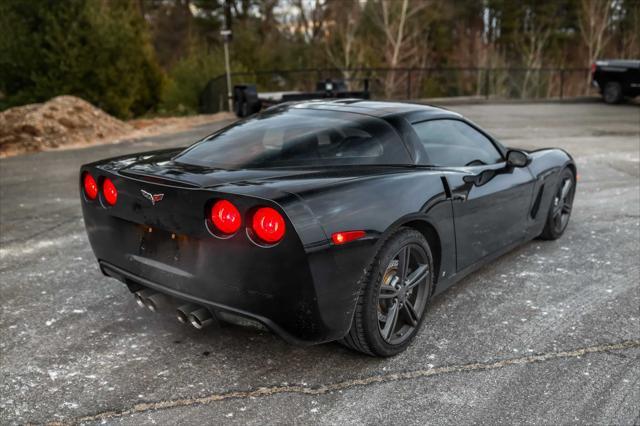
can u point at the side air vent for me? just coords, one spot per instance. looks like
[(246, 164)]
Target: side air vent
[(445, 184), (536, 204)]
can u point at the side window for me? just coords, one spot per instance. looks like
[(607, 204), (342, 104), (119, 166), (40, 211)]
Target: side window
[(454, 143)]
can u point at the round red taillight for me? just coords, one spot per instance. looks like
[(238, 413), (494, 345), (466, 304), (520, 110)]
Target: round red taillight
[(268, 225), (90, 186), (109, 192), (226, 217)]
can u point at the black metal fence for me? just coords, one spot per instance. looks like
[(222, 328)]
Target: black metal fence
[(419, 83)]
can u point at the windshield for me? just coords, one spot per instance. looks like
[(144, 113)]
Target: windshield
[(299, 138)]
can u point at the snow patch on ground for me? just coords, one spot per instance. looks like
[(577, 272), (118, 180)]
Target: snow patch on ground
[(22, 249)]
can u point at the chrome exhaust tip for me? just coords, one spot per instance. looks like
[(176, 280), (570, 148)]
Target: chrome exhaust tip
[(201, 318), (142, 295), (154, 301), (183, 312), (140, 301)]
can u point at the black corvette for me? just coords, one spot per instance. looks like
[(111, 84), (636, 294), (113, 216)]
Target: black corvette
[(322, 220)]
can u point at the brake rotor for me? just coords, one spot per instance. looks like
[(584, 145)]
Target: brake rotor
[(387, 279)]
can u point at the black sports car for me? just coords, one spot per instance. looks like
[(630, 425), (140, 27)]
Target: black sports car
[(322, 220)]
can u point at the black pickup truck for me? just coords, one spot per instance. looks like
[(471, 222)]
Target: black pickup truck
[(616, 79)]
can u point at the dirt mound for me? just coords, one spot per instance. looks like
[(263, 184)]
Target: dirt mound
[(67, 121), (63, 120), (151, 126)]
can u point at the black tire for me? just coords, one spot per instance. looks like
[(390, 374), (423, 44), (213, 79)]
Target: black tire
[(561, 206), (378, 311), (612, 92)]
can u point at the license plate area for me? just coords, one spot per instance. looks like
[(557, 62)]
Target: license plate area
[(160, 245)]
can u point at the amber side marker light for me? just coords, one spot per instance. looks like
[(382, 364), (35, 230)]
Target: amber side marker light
[(226, 217), (346, 236), (109, 192), (90, 186)]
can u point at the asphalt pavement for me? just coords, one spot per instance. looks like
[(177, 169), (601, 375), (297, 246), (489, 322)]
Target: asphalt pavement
[(547, 334)]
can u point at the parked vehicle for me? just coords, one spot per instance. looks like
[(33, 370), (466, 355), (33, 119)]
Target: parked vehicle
[(616, 79), (324, 220)]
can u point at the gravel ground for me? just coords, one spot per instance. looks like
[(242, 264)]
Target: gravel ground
[(548, 334)]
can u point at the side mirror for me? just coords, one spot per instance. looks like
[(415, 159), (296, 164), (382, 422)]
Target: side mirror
[(517, 158)]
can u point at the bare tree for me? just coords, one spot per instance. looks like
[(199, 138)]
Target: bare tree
[(310, 18), (405, 41), (629, 30), (474, 40), (594, 22), (343, 49), (533, 41)]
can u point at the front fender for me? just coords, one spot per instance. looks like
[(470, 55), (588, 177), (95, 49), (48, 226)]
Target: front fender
[(545, 166)]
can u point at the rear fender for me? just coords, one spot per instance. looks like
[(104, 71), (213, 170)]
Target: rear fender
[(379, 205)]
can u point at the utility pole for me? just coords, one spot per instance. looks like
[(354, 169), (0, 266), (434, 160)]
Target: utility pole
[(227, 35)]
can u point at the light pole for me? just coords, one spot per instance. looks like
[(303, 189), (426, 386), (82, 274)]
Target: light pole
[(226, 35), (226, 38)]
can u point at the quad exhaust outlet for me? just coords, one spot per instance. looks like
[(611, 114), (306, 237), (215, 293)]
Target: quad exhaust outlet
[(141, 296), (197, 316), (183, 312), (154, 301), (201, 318), (149, 299)]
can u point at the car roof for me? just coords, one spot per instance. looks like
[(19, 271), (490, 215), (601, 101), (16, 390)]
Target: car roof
[(371, 108)]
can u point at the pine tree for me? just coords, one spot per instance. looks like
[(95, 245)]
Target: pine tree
[(99, 51)]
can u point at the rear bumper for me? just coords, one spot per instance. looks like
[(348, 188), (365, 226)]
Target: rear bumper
[(305, 296), (129, 278)]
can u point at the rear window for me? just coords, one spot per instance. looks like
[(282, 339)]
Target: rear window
[(299, 138)]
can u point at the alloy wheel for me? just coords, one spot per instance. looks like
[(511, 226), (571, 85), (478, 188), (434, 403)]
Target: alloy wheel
[(403, 294), (562, 204)]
